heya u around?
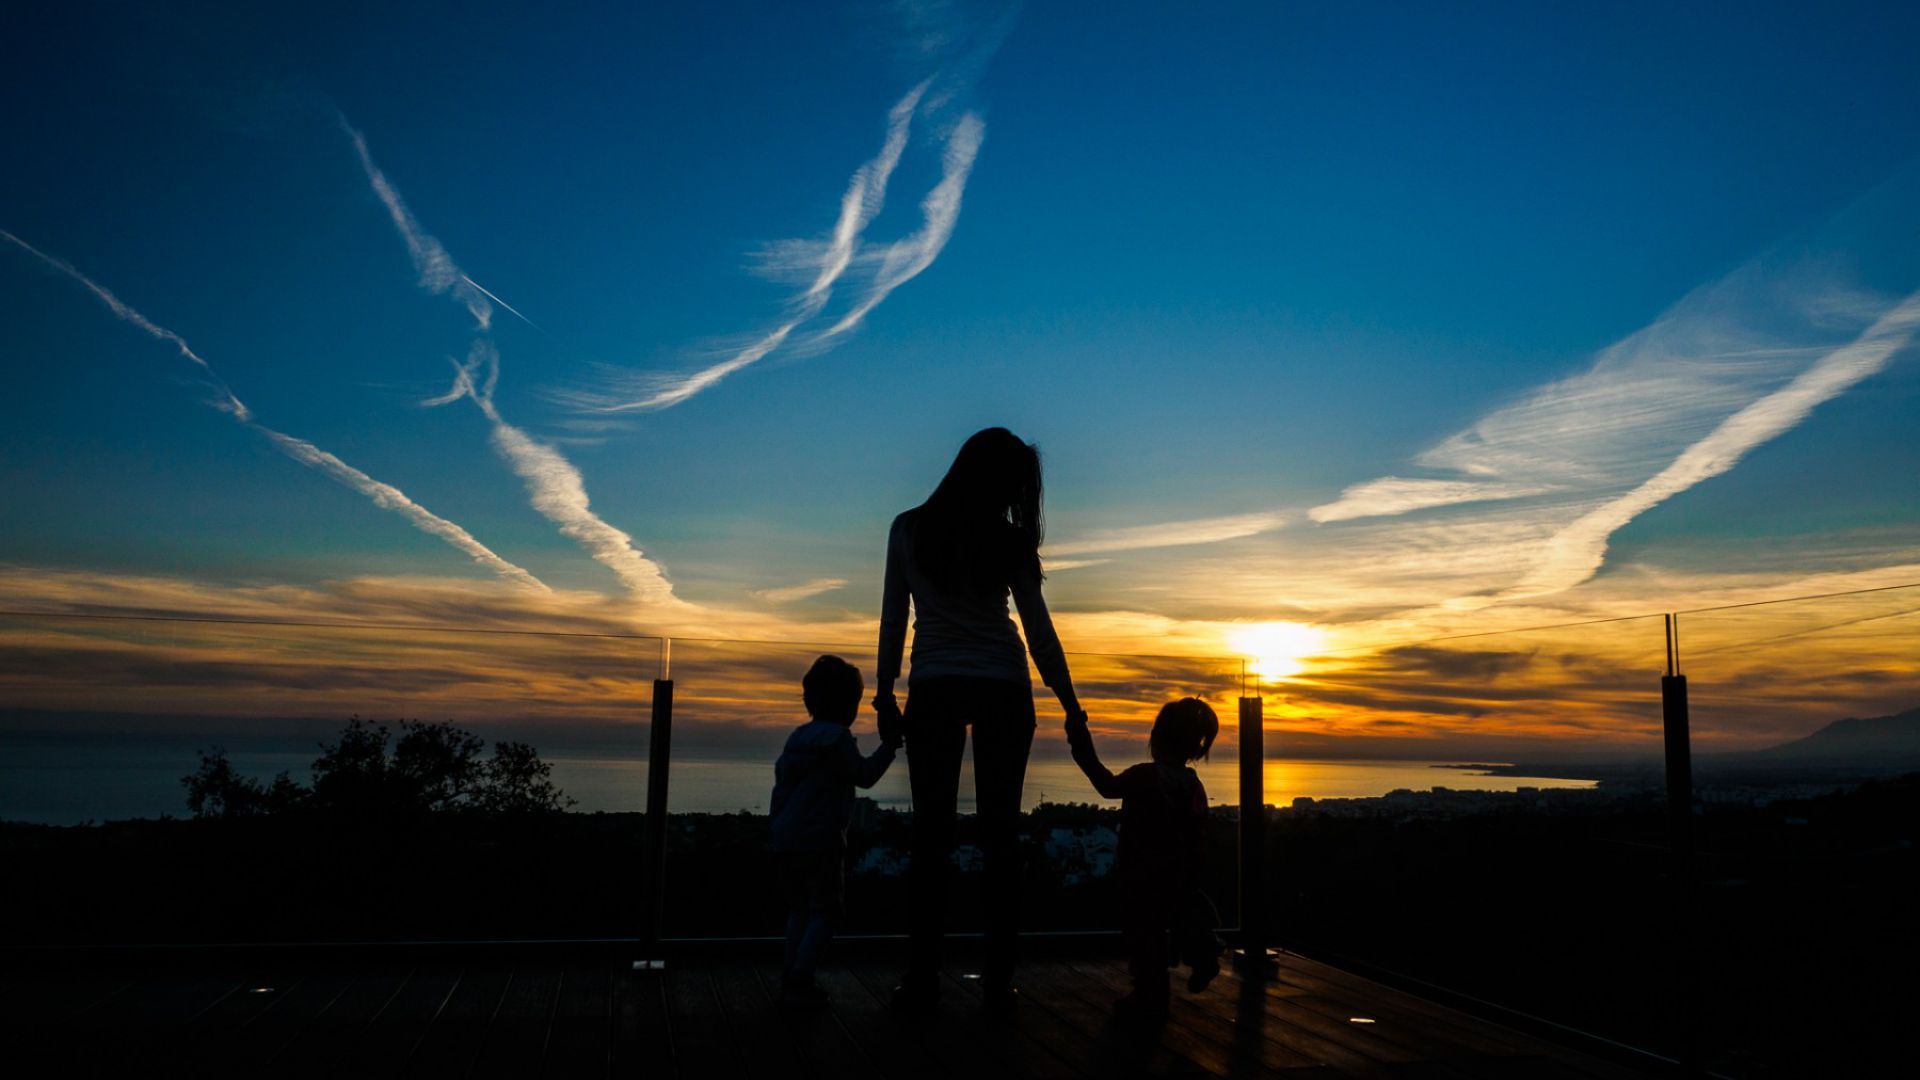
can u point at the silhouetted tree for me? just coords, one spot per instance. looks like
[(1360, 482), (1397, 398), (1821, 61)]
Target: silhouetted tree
[(366, 773), (516, 782), (216, 790)]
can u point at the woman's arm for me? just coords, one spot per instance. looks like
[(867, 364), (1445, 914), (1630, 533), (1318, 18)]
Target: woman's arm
[(1042, 641), (1081, 740), (893, 614)]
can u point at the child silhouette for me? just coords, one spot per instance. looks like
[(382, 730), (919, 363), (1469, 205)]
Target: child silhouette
[(812, 806), (1163, 825)]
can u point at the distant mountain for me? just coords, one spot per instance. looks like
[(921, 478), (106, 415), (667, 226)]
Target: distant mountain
[(1891, 743)]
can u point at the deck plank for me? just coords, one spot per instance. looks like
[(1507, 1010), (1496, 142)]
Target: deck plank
[(703, 1045), (822, 1037), (1118, 1049), (642, 1044), (392, 1033), (864, 1016), (516, 1038), (261, 1037), (944, 1033), (766, 1045), (137, 1027), (1083, 1052), (451, 1042), (327, 1044), (1414, 1013), (1015, 1047), (719, 1015), (1247, 1008), (578, 1043)]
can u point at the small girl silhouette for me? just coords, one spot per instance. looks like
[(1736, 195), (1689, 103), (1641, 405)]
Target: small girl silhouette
[(1163, 825)]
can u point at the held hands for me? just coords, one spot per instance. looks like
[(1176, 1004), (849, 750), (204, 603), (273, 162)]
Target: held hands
[(1078, 736), (892, 727)]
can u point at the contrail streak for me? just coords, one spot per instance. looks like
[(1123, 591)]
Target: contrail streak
[(490, 295), (382, 494), (1576, 552), (225, 401), (554, 486), (439, 274), (388, 497), (865, 196), (905, 259)]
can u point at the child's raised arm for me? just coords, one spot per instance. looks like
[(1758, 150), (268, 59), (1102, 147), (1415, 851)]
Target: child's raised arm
[(1081, 740), (863, 771)]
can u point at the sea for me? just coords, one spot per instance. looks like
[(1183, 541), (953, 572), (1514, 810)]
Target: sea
[(55, 785)]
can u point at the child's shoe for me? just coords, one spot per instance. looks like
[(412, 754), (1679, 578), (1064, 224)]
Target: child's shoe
[(1202, 973)]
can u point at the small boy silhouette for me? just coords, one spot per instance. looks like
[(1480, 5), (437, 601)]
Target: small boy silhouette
[(1163, 832), (812, 807)]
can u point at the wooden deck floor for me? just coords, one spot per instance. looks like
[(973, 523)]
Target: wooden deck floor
[(714, 1016)]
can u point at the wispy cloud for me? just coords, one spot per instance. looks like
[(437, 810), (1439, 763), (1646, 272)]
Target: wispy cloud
[(1172, 534), (1576, 552), (819, 265), (904, 260), (1391, 495), (1733, 364), (803, 591), (383, 495), (1073, 564), (960, 43)]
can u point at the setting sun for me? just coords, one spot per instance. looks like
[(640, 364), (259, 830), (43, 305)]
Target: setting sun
[(1275, 650)]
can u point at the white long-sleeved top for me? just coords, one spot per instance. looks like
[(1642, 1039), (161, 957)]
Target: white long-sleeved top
[(961, 628)]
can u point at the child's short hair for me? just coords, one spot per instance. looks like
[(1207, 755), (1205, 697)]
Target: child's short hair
[(832, 689), (1184, 729)]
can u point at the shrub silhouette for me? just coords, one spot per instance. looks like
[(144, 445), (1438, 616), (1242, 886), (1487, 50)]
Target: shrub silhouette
[(368, 774)]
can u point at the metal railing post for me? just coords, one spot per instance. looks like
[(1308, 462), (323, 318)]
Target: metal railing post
[(1679, 759), (1254, 959), (653, 874)]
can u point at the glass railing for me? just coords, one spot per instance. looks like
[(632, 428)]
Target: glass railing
[(1804, 716), (1519, 854), (736, 703), (341, 781)]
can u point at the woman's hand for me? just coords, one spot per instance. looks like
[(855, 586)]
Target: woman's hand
[(1077, 732), (891, 725)]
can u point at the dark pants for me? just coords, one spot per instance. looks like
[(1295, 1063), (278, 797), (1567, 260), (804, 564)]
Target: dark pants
[(1165, 922), (939, 711), (813, 883)]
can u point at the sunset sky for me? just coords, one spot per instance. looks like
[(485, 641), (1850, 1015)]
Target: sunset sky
[(1388, 322)]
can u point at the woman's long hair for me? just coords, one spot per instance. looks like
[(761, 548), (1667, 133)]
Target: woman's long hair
[(983, 524)]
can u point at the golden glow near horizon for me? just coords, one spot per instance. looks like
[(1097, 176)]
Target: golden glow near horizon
[(1276, 650), (341, 649)]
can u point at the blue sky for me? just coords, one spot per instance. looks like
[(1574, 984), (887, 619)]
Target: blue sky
[(1223, 264)]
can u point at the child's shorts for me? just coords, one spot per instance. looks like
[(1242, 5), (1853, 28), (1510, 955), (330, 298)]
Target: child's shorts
[(813, 881)]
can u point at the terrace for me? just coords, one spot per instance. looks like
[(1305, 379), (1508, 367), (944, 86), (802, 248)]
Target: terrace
[(1533, 933), (574, 1011)]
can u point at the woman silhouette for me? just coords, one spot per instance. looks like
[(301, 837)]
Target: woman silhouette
[(957, 556)]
